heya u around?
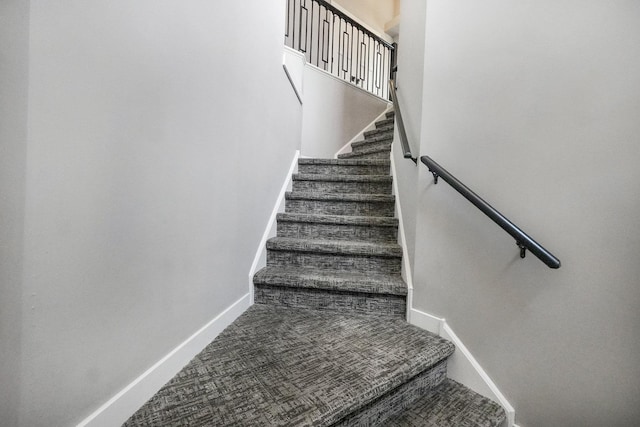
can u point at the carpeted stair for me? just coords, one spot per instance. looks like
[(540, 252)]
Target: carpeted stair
[(326, 343), (376, 143)]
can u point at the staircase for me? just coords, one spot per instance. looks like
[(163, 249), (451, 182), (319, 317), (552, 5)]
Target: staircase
[(325, 343)]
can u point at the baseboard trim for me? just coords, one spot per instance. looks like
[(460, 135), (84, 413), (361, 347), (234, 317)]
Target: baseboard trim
[(402, 240), (426, 321), (360, 135), (121, 406), (462, 366), (260, 258)]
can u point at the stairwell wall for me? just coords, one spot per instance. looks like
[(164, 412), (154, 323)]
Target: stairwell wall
[(159, 135), (14, 70), (334, 111), (534, 105), (409, 88)]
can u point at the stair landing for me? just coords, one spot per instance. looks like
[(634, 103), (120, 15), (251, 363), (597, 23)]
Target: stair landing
[(278, 366)]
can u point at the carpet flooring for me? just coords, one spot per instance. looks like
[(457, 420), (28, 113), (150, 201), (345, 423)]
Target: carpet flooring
[(326, 343), (278, 366)]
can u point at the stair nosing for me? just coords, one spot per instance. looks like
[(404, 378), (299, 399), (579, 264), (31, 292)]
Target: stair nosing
[(336, 247), (356, 220), (345, 162), (362, 142), (331, 281), (342, 197), (341, 178), (365, 152)]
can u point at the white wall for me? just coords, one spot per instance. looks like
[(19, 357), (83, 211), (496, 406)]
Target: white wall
[(373, 13), (535, 106), (334, 111), (14, 39), (409, 90), (159, 135)]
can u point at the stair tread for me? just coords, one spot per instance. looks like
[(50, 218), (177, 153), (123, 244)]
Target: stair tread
[(278, 366), (384, 122), (342, 247), (345, 162), (341, 177), (373, 140), (450, 405), (331, 280), (377, 221), (364, 152), (350, 197), (383, 129)]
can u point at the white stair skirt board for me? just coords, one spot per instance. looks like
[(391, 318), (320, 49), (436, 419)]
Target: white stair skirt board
[(260, 259), (121, 406), (347, 147), (462, 366), (402, 241)]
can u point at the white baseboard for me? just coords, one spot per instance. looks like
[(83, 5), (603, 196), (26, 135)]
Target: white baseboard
[(462, 366), (402, 240), (121, 406), (426, 321), (346, 148), (260, 258)]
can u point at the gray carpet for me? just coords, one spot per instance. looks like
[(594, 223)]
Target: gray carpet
[(450, 405), (294, 367), (336, 247), (326, 343)]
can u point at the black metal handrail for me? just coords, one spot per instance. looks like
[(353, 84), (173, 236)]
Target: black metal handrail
[(336, 43), (523, 240), (404, 141)]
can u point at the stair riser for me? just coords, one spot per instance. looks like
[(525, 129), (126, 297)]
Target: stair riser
[(383, 123), (329, 207), (381, 137), (356, 155), (384, 144), (365, 233), (378, 412), (344, 170), (344, 302), (385, 129), (335, 262), (342, 187)]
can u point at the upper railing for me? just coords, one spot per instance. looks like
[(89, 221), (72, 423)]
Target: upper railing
[(523, 240), (339, 45)]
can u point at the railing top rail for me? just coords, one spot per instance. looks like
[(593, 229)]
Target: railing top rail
[(523, 240), (404, 141), (353, 22)]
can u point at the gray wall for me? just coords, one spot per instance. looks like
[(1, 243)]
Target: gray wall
[(14, 43), (334, 111), (535, 106), (409, 89), (160, 133)]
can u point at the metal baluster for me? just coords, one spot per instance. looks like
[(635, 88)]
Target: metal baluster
[(311, 33), (333, 31)]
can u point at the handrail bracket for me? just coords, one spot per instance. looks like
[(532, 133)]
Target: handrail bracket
[(523, 249), (435, 176)]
